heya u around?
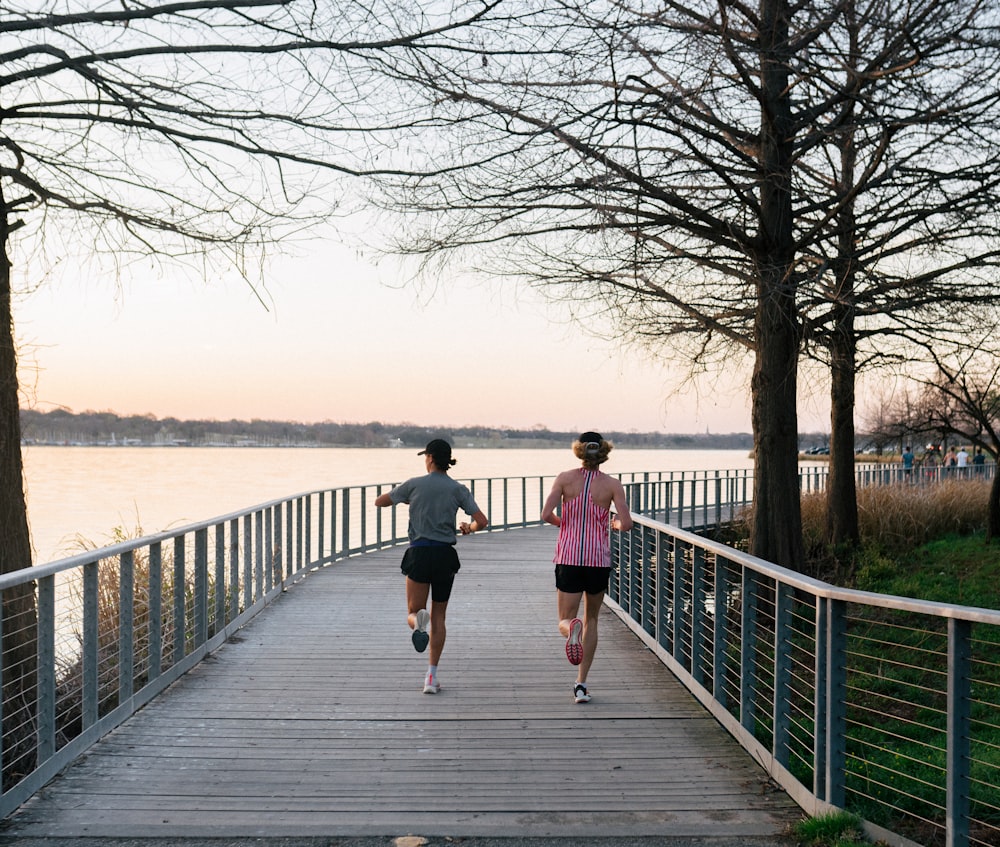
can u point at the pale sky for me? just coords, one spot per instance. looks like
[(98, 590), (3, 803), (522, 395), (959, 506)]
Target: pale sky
[(341, 343)]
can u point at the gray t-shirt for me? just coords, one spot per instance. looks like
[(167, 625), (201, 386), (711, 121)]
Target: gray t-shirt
[(434, 501)]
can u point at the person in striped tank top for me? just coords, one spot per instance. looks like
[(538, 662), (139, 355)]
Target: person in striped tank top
[(580, 505)]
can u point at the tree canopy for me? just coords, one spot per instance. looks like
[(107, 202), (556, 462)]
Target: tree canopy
[(725, 182)]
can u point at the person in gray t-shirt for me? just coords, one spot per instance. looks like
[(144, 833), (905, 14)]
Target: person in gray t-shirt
[(430, 562)]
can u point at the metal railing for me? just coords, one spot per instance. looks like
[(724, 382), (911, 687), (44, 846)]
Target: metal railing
[(884, 706), (112, 627), (109, 628)]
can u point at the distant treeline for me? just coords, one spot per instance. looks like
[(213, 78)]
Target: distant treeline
[(108, 428)]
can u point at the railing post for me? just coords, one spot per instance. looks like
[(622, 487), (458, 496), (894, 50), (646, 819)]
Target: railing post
[(248, 589), (234, 568), (718, 499), (321, 526), (677, 602), (614, 585), (283, 552), (155, 611), (261, 573), (180, 636), (201, 587), (46, 729), (345, 522), (266, 540), (698, 597), (220, 578), (363, 498), (719, 651), (648, 610), (783, 636), (820, 704), (661, 547), (959, 726), (307, 556), (333, 525), (91, 643), (748, 628), (836, 705), (126, 625)]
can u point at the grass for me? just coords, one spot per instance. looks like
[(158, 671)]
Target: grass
[(837, 829), (960, 569), (895, 521)]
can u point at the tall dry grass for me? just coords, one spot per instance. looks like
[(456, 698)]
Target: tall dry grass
[(109, 617), (898, 518), (892, 519)]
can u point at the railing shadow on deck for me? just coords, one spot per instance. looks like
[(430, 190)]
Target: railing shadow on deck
[(786, 664)]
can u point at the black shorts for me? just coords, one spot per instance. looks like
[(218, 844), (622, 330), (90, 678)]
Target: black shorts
[(434, 565), (577, 579)]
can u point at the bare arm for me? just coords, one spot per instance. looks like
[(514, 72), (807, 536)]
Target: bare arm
[(479, 521), (624, 519), (383, 500), (552, 501)]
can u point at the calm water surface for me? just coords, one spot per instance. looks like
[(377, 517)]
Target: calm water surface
[(88, 491)]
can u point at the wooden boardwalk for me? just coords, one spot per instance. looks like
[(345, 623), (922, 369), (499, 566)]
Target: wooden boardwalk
[(311, 722)]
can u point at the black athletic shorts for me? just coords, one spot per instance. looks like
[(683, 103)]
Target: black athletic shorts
[(436, 565), (577, 579)]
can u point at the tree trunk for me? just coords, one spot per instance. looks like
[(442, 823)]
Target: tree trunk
[(993, 509), (18, 608), (776, 534), (842, 496)]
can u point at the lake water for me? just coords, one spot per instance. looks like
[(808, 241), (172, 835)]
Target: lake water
[(88, 491)]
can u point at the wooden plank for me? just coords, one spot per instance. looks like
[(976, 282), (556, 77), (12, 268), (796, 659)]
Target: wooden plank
[(311, 721)]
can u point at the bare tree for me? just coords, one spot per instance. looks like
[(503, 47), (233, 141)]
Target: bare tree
[(709, 177), (638, 162), (962, 397), (895, 418), (904, 178), (186, 131)]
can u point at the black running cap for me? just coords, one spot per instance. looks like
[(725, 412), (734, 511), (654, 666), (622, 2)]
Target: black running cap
[(438, 448)]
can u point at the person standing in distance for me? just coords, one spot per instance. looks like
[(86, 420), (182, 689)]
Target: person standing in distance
[(583, 549), (430, 562)]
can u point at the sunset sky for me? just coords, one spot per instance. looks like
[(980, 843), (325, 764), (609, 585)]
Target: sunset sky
[(342, 341)]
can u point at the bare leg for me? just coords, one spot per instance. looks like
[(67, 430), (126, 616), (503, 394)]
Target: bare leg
[(439, 631), (591, 609), (416, 599), (568, 606)]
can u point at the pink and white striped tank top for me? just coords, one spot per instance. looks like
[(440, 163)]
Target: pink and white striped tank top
[(583, 530)]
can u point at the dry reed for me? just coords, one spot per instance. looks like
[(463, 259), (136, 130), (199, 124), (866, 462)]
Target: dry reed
[(899, 518)]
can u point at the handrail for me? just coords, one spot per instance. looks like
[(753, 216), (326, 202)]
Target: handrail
[(117, 625)]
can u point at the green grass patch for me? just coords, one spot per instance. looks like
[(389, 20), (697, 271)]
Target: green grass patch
[(837, 829), (958, 569)]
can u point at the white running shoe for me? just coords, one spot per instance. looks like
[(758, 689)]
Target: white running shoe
[(580, 694), (431, 685)]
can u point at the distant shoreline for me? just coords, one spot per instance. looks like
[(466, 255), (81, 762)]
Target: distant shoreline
[(509, 445), (62, 428)]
